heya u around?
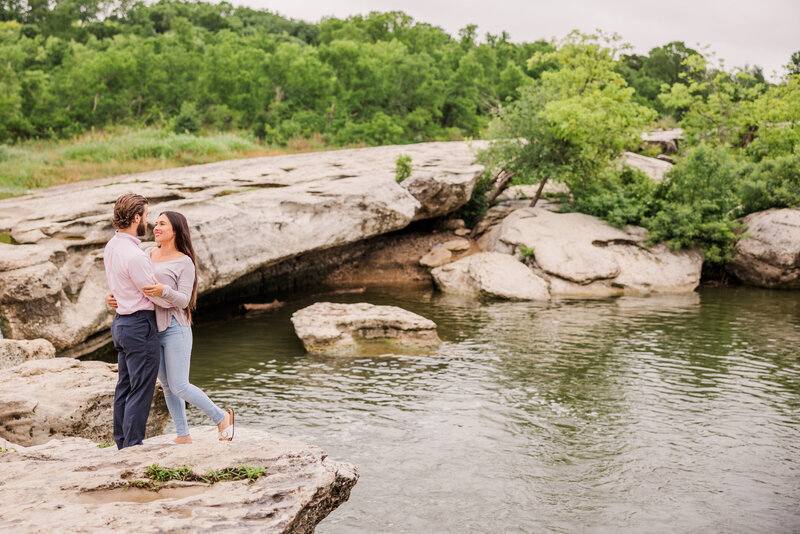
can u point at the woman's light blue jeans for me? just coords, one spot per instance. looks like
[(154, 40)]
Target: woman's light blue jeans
[(173, 372)]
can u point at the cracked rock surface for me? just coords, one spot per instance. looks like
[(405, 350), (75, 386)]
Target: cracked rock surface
[(580, 255), (60, 397), (245, 215), (71, 485)]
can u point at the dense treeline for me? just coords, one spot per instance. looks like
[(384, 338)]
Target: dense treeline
[(377, 79), (72, 65)]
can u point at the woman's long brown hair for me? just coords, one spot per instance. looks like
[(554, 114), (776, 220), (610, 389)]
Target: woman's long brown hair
[(183, 242)]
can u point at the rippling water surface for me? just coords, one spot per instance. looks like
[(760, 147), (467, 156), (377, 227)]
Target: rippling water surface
[(661, 414)]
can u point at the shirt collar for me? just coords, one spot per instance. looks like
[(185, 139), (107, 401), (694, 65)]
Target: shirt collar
[(127, 236)]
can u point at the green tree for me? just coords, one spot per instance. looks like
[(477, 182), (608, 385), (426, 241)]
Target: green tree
[(572, 124)]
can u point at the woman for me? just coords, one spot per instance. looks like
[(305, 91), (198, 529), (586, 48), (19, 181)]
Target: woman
[(176, 282)]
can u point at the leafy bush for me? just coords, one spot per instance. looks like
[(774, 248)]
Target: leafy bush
[(476, 206), (623, 197), (402, 167), (696, 205), (188, 120), (771, 183)]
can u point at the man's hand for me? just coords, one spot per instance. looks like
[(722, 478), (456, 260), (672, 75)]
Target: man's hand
[(111, 301), (156, 290)]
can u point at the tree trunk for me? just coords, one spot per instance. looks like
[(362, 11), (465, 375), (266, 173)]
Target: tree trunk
[(501, 183), (538, 194)]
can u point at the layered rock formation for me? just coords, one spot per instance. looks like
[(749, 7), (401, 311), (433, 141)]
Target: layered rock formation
[(246, 216), (770, 256), (326, 326), (491, 274), (71, 485), (60, 397), (580, 255), (14, 352)]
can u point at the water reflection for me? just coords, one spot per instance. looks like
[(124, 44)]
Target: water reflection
[(628, 414)]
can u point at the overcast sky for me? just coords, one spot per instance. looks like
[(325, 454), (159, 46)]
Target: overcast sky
[(754, 32)]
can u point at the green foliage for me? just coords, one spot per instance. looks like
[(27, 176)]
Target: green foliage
[(187, 120), (526, 252), (402, 167), (156, 473), (771, 183), (105, 444), (180, 65), (620, 197), (476, 206), (697, 205), (570, 125), (5, 450)]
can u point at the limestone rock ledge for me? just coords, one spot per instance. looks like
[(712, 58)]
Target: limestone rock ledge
[(14, 351), (70, 485), (580, 255), (62, 397), (770, 256), (326, 326), (491, 274), (245, 215)]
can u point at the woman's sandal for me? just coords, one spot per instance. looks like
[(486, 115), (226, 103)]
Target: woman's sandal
[(226, 434)]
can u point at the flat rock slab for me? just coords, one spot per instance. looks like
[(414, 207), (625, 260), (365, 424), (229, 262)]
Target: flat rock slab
[(62, 397), (245, 216), (14, 352), (326, 326), (581, 255), (655, 168), (71, 485), (770, 256), (491, 274)]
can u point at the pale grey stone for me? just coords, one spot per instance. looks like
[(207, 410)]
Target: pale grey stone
[(71, 485), (328, 326)]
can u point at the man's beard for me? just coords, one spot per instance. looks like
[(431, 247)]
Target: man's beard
[(142, 228)]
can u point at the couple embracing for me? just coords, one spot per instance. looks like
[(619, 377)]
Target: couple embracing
[(154, 293)]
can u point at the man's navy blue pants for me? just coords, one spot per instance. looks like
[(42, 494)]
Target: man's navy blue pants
[(136, 342)]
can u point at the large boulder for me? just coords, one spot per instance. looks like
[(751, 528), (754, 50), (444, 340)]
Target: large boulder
[(14, 352), (61, 397), (246, 216), (326, 326), (491, 274), (655, 168), (580, 255), (667, 140), (70, 485), (770, 255)]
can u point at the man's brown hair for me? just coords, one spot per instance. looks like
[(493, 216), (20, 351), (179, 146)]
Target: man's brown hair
[(126, 208)]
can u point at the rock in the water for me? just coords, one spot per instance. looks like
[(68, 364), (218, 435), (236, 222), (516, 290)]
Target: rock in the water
[(53, 285), (457, 245), (436, 257), (491, 274), (580, 255), (655, 168), (331, 326), (14, 352), (770, 256), (61, 397), (71, 485)]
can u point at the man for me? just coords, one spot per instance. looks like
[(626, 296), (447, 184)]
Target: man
[(134, 331)]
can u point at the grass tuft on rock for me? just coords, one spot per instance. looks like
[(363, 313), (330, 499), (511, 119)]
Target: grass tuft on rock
[(157, 475)]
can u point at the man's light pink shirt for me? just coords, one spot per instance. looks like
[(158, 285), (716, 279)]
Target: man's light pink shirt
[(128, 270)]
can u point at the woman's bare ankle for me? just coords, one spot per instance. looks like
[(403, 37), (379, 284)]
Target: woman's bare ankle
[(183, 439)]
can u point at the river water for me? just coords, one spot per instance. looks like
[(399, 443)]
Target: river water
[(660, 414)]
